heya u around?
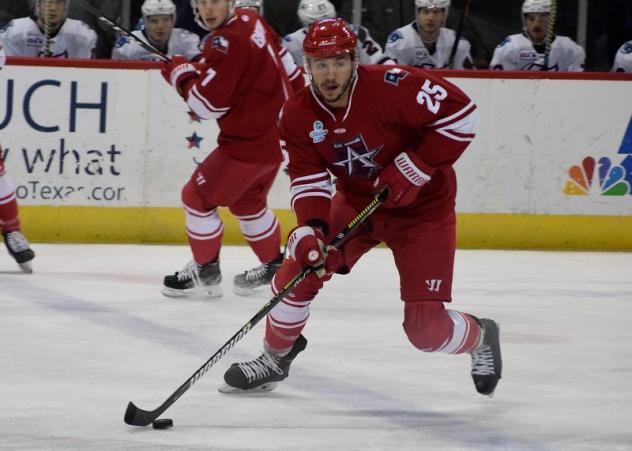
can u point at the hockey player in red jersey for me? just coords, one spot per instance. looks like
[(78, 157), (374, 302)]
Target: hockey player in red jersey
[(15, 242), (242, 85), (370, 127)]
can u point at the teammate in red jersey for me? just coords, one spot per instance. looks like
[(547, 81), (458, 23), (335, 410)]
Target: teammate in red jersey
[(370, 127), (15, 242), (242, 85)]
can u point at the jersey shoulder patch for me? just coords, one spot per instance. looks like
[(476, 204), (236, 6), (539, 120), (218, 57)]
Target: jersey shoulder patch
[(394, 75), (394, 37), (627, 48), (220, 43), (505, 41), (121, 42)]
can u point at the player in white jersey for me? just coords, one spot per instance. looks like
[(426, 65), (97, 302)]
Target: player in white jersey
[(159, 18), (369, 51), (49, 33), (527, 50), (426, 42), (16, 244), (623, 58)]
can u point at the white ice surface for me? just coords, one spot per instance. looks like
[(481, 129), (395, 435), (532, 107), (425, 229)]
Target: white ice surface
[(90, 331)]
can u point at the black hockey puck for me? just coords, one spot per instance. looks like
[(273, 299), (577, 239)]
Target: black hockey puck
[(163, 423)]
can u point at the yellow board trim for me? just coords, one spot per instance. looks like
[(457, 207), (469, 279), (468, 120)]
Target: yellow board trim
[(474, 231)]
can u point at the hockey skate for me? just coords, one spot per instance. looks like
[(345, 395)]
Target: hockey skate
[(19, 249), (261, 374), (246, 284), (486, 360), (194, 279)]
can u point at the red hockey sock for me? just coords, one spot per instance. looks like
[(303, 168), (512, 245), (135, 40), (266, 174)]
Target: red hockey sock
[(9, 220), (263, 233)]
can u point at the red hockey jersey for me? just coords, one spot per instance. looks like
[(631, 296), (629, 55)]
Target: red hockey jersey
[(243, 85), (390, 110)]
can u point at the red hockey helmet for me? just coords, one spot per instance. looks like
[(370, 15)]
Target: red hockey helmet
[(328, 38)]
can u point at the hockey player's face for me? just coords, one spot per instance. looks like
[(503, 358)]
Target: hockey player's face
[(537, 25), (331, 77), (430, 19), (159, 28), (213, 12), (52, 10)]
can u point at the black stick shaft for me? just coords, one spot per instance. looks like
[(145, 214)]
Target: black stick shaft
[(139, 417), (146, 45), (459, 32)]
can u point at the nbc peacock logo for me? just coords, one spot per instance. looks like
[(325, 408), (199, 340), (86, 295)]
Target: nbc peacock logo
[(603, 177)]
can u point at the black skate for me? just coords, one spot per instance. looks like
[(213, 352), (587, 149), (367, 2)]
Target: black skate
[(261, 374), (245, 284), (19, 249), (486, 361), (194, 279)]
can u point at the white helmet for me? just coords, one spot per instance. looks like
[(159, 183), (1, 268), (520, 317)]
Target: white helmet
[(432, 4), (312, 10), (255, 4), (158, 8), (536, 6), (445, 4), (198, 19)]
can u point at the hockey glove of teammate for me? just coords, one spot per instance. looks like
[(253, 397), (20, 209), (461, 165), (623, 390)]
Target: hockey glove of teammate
[(178, 71), (307, 246), (404, 179)]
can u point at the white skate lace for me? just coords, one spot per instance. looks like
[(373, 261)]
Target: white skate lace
[(17, 242), (258, 272), (190, 271), (482, 361), (260, 367)]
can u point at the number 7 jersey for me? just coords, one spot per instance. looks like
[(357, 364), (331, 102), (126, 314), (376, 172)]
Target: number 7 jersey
[(390, 110)]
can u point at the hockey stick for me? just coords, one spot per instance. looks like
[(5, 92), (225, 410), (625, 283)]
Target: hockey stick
[(146, 45), (139, 417), (47, 30), (459, 32), (549, 34)]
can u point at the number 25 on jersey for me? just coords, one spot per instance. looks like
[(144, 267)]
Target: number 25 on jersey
[(431, 96)]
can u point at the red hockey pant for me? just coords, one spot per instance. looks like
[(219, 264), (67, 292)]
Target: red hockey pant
[(424, 256), (242, 187)]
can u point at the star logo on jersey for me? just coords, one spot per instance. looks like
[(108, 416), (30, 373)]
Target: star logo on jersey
[(356, 157), (194, 141)]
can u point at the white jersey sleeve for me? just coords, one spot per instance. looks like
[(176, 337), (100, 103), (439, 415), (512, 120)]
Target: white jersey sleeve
[(504, 54), (623, 59), (369, 51), (74, 39), (293, 43), (569, 55)]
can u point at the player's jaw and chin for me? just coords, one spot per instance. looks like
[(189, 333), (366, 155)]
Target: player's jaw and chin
[(213, 12), (331, 78)]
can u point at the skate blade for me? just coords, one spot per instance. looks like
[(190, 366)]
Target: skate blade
[(26, 267), (227, 389), (199, 292)]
